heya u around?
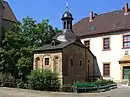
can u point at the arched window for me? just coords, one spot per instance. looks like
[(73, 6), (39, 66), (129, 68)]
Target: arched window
[(37, 63), (56, 59), (70, 25), (67, 24), (80, 63), (64, 24), (71, 62), (53, 43)]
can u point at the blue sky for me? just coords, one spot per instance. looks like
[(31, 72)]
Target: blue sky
[(53, 9)]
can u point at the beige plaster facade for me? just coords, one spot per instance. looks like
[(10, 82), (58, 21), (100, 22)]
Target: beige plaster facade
[(124, 62), (111, 56), (55, 62)]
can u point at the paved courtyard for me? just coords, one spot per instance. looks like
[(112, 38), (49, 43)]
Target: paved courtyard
[(9, 92)]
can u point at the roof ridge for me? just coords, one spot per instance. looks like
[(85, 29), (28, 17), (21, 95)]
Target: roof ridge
[(103, 23), (2, 3), (98, 15), (5, 2), (104, 13)]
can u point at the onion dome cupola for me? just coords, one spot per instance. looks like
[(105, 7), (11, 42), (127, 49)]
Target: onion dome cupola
[(67, 19), (67, 34)]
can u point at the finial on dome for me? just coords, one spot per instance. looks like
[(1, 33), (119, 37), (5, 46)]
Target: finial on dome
[(67, 7)]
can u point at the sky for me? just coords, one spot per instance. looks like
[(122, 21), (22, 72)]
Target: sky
[(54, 9)]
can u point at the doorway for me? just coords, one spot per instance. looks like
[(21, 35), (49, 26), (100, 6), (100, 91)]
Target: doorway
[(126, 72)]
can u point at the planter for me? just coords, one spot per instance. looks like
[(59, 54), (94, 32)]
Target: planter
[(95, 89), (84, 90)]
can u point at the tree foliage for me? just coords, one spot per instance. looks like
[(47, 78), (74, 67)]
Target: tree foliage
[(16, 55)]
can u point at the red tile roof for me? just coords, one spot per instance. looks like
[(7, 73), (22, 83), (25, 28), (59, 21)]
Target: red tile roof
[(103, 23), (8, 13)]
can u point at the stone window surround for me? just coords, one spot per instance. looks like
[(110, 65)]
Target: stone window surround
[(36, 62), (47, 61), (55, 63), (106, 37), (44, 57), (123, 35), (109, 69)]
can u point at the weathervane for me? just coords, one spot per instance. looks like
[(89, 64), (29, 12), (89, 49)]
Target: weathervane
[(67, 7), (126, 1)]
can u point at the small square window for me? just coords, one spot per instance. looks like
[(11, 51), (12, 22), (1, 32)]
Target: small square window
[(46, 61), (87, 43)]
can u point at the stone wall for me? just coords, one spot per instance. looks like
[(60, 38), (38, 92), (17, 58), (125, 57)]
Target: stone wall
[(90, 64), (73, 63), (55, 62), (77, 71)]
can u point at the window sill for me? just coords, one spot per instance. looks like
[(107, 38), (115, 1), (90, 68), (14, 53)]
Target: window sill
[(106, 49), (126, 48), (107, 76)]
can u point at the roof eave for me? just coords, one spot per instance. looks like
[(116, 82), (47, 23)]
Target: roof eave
[(105, 32)]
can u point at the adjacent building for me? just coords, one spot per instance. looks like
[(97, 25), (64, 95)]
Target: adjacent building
[(107, 35), (66, 55), (7, 18)]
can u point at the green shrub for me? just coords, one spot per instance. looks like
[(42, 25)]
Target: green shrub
[(21, 84), (1, 78), (43, 80), (6, 80), (66, 88), (93, 84), (103, 82), (84, 84)]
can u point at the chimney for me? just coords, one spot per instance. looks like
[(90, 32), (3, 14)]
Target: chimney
[(91, 16), (126, 9), (95, 14)]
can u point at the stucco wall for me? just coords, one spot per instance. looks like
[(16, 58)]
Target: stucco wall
[(112, 56)]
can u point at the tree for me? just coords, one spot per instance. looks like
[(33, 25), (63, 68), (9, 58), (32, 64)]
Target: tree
[(16, 55), (9, 53)]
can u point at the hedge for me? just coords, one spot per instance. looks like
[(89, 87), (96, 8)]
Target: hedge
[(99, 85)]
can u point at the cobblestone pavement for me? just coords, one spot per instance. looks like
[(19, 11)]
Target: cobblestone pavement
[(9, 92)]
